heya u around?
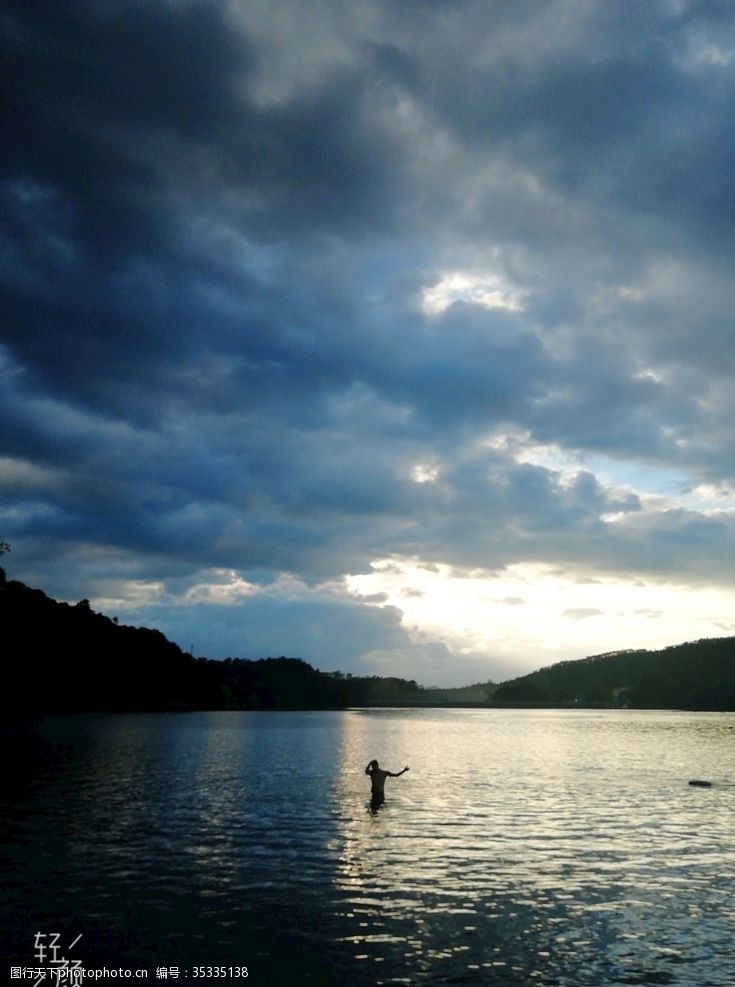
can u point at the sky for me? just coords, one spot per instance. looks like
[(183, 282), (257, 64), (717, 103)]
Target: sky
[(393, 336)]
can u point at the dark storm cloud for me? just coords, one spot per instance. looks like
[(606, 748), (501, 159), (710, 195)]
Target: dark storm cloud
[(90, 87), (217, 225), (126, 119)]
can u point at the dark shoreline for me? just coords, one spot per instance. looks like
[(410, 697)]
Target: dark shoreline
[(70, 659)]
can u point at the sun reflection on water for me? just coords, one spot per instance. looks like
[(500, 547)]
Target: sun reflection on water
[(535, 846)]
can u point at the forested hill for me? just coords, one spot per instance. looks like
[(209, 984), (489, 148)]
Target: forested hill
[(696, 675), (61, 658)]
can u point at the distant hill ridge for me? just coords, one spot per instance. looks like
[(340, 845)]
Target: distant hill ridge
[(67, 658), (695, 675)]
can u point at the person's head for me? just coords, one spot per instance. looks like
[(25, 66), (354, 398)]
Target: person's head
[(373, 764)]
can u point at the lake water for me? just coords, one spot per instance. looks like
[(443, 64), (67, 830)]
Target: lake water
[(523, 847)]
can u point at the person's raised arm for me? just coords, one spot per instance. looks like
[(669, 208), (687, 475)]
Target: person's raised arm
[(397, 774), (367, 769)]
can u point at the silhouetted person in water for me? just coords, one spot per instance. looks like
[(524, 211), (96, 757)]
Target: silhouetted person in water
[(377, 780)]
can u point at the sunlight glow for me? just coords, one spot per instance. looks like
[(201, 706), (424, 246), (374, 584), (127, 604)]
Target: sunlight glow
[(532, 614)]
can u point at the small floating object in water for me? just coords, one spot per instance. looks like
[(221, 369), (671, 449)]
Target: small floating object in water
[(700, 784)]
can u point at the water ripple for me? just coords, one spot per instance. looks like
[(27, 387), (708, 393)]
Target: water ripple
[(543, 847)]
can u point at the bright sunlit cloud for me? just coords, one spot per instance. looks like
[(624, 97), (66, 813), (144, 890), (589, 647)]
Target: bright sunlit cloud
[(489, 291), (425, 472), (657, 486)]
